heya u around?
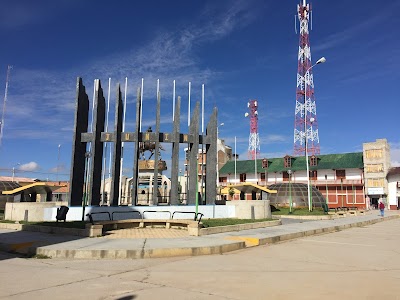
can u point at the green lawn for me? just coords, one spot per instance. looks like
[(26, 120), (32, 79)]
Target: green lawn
[(299, 211), (225, 222)]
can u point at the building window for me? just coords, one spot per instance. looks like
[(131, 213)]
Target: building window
[(374, 153), (375, 168), (340, 174), (288, 161), (265, 163), (285, 176), (243, 177), (313, 175), (313, 161), (223, 179), (375, 182)]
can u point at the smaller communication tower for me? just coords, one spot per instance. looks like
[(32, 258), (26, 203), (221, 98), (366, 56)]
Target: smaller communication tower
[(254, 139)]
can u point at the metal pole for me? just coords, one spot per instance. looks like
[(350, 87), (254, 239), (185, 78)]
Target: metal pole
[(217, 165), (235, 160), (105, 145), (141, 105), (265, 177), (311, 199), (319, 61), (341, 189), (120, 196), (173, 100), (197, 185), (305, 143), (255, 166), (188, 167), (326, 187), (58, 161), (202, 143), (290, 191)]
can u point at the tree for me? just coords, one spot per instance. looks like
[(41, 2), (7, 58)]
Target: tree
[(231, 192)]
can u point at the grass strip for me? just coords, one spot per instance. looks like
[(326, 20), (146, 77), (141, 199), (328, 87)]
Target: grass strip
[(299, 211)]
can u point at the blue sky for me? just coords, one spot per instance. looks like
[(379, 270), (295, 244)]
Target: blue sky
[(240, 50)]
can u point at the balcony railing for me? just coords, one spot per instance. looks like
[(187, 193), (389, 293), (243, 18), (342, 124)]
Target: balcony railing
[(313, 182)]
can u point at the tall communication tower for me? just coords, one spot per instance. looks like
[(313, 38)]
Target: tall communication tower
[(305, 124), (254, 139), (4, 104)]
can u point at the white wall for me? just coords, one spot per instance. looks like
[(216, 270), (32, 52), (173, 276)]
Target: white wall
[(209, 211), (297, 176), (393, 192), (353, 174)]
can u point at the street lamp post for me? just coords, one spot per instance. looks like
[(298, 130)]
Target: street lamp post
[(58, 161), (290, 191), (319, 61), (13, 171)]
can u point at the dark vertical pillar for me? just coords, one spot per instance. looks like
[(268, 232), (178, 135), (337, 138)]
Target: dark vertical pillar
[(77, 177), (154, 199), (33, 197), (49, 196), (116, 157), (193, 152), (211, 158), (136, 152), (97, 145), (175, 154)]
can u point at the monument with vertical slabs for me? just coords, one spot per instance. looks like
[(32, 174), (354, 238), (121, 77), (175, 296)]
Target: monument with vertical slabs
[(87, 151)]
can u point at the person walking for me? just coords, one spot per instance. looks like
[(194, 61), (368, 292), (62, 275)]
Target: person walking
[(382, 208)]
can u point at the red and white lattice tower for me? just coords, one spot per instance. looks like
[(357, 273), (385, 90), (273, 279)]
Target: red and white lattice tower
[(254, 139), (305, 124)]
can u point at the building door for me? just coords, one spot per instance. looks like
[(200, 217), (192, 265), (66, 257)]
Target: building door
[(342, 200), (374, 202)]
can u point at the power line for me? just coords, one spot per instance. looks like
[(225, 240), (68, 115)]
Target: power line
[(34, 172)]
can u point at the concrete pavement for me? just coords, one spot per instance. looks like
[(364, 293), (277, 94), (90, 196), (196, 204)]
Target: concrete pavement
[(359, 263), (63, 246)]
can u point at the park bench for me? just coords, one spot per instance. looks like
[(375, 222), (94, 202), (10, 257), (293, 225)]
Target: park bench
[(62, 213), (110, 224), (144, 223)]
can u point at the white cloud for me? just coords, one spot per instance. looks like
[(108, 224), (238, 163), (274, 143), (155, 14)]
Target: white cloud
[(31, 166), (45, 99), (395, 154), (274, 138)]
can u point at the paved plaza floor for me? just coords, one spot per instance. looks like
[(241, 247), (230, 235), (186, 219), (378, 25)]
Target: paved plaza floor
[(356, 263), (149, 233), (160, 242)]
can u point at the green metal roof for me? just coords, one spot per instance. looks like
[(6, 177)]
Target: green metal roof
[(328, 161)]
